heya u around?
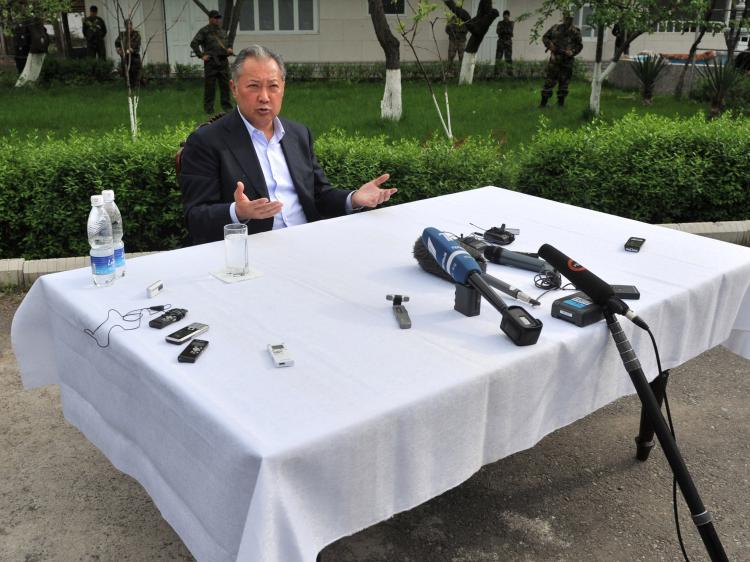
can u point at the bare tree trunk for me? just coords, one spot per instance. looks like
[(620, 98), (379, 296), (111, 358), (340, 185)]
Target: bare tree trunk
[(468, 64), (680, 86), (234, 22), (597, 78), (32, 69), (201, 6), (390, 105), (59, 41), (733, 35), (66, 35), (478, 27)]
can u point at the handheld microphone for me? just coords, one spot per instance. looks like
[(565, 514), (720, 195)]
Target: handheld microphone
[(501, 256), (518, 325), (598, 290)]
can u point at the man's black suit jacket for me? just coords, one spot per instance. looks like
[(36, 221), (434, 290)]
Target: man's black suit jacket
[(217, 156)]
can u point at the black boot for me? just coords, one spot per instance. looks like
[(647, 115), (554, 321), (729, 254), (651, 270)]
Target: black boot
[(545, 99), (560, 101)]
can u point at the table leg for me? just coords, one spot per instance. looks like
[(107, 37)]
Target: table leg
[(645, 439)]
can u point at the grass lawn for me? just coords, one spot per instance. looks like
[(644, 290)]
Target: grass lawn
[(505, 109)]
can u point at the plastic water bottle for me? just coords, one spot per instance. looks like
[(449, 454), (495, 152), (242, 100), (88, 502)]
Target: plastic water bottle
[(116, 218), (99, 229)]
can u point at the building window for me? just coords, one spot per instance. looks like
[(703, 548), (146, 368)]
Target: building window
[(279, 15), (394, 7), (581, 20), (675, 27)]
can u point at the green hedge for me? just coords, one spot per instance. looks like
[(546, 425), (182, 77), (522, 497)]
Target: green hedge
[(60, 70), (46, 183), (650, 168)]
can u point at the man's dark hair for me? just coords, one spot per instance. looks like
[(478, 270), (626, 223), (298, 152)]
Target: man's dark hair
[(506, 13), (93, 9), (256, 52)]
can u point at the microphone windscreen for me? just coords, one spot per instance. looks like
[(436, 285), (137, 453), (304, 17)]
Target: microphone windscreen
[(598, 290), (427, 262)]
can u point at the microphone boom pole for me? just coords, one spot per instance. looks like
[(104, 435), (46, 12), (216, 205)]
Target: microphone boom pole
[(602, 294), (701, 518)]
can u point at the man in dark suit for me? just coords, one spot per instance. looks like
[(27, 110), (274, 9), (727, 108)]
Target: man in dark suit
[(254, 167)]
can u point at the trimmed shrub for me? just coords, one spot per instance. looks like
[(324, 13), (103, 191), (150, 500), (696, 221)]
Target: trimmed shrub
[(76, 71), (47, 183), (651, 168), (419, 171)]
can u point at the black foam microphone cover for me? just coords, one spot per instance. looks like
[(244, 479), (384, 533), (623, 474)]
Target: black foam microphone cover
[(598, 290)]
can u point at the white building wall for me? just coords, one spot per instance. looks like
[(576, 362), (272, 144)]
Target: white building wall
[(148, 20), (344, 33)]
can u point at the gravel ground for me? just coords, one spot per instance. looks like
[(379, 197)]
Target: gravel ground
[(578, 495)]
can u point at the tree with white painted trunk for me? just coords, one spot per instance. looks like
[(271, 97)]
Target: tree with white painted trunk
[(129, 49), (32, 14), (390, 105), (478, 27), (421, 12)]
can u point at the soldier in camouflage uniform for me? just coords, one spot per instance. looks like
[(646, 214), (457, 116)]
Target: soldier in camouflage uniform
[(505, 43), (94, 31), (210, 44), (564, 42), (456, 32), (21, 44), (128, 46)]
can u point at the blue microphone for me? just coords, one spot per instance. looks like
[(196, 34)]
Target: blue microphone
[(519, 325), (450, 255)]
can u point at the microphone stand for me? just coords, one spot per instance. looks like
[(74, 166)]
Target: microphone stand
[(701, 518)]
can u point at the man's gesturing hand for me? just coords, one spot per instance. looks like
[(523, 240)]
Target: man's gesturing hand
[(256, 209), (371, 195)]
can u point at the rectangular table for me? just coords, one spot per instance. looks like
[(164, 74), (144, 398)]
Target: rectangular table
[(248, 462)]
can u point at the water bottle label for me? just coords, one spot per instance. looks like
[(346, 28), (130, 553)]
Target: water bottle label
[(103, 265), (120, 257)]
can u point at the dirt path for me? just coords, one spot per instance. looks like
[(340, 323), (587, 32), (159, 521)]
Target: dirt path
[(578, 495)]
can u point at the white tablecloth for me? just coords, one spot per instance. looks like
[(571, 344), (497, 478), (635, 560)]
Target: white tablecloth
[(254, 463)]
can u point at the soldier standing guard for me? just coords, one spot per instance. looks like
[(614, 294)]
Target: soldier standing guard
[(457, 32), (21, 45), (128, 46), (210, 44), (94, 31), (505, 42), (564, 42)]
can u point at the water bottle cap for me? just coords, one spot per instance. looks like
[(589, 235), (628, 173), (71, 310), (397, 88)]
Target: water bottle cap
[(97, 200), (109, 195)]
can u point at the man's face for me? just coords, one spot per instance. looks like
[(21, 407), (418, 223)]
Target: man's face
[(506, 17), (568, 21), (214, 21), (259, 91), (92, 14)]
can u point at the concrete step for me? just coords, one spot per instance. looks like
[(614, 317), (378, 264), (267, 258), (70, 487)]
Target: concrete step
[(22, 273)]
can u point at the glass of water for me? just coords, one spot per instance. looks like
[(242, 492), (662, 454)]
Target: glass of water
[(235, 249)]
